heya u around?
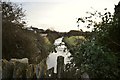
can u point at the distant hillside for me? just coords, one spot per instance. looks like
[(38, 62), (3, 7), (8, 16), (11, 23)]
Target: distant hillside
[(77, 33)]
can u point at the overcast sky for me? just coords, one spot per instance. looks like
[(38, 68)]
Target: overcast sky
[(61, 15)]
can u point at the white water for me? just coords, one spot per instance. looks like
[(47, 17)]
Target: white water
[(61, 51)]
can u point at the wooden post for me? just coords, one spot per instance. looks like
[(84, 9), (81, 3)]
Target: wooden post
[(60, 66)]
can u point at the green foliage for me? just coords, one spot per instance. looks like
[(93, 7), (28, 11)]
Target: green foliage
[(73, 40), (99, 54), (48, 45), (96, 60), (18, 42)]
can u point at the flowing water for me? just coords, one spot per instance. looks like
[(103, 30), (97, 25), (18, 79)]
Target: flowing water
[(61, 50)]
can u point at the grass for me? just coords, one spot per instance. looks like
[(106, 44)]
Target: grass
[(47, 41), (73, 40), (48, 45)]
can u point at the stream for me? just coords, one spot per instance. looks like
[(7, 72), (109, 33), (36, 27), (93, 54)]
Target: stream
[(61, 50)]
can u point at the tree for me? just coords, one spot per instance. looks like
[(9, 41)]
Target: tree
[(99, 54), (18, 42), (12, 13)]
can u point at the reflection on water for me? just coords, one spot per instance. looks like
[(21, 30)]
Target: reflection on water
[(61, 51)]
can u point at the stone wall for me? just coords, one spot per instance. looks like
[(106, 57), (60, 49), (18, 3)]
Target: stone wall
[(16, 69)]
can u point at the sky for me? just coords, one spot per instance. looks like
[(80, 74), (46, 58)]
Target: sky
[(61, 15)]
